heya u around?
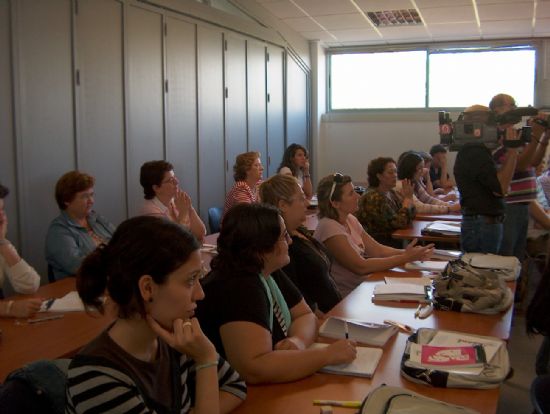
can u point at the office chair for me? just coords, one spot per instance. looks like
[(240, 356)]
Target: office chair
[(214, 219)]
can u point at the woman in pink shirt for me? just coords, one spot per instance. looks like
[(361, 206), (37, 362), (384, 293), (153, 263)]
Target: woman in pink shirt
[(164, 197), (247, 172)]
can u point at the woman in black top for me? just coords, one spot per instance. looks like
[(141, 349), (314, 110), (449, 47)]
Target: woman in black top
[(310, 263)]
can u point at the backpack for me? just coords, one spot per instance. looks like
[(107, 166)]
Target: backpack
[(396, 400), (506, 267), (464, 288), (493, 374)]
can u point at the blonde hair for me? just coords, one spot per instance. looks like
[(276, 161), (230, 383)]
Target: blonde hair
[(243, 162), (277, 188)]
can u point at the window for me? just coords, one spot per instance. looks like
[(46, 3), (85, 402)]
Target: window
[(442, 78)]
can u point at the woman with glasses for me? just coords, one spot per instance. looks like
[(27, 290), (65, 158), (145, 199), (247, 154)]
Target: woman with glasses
[(78, 229), (252, 312), (356, 254), (164, 197), (296, 163), (247, 173), (382, 210), (154, 357), (310, 262), (411, 167)]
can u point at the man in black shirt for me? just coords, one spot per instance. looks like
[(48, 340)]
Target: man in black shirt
[(482, 189)]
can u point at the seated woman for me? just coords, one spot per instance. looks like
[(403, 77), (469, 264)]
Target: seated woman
[(296, 163), (411, 167), (78, 230), (247, 173), (22, 277), (252, 312), (382, 210), (164, 197), (154, 357), (427, 184), (310, 262), (356, 254)]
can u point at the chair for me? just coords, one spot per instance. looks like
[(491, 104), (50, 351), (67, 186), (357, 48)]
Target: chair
[(540, 395), (214, 219)]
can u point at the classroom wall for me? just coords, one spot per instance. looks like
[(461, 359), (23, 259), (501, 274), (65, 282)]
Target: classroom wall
[(105, 85)]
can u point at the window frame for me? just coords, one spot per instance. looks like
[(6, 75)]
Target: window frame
[(433, 48)]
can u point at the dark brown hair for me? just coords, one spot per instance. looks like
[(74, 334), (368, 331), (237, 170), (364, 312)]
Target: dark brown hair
[(377, 166), (323, 193), (69, 184), (152, 173)]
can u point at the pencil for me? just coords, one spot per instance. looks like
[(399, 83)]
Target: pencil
[(333, 403)]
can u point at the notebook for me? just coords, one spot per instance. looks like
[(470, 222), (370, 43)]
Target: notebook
[(442, 254), (402, 292), (363, 365), (71, 302), (428, 265), (375, 334), (422, 281)]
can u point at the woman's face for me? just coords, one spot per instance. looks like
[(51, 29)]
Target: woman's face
[(294, 211), (255, 171), (419, 170), (168, 187), (388, 178), (177, 297), (279, 257), (299, 159), (349, 201), (82, 203)]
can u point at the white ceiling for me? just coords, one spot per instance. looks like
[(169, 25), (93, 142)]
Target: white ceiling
[(344, 22)]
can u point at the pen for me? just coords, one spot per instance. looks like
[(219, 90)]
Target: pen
[(45, 318), (346, 329), (334, 403)]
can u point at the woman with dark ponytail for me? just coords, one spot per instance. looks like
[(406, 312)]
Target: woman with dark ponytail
[(154, 357)]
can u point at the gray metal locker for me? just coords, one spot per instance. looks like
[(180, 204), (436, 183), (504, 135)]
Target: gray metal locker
[(275, 109), (100, 103), (256, 83), (144, 97), (297, 129), (235, 104), (181, 104)]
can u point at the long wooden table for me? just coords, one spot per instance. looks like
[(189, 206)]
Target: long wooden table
[(443, 217), (415, 232), (297, 397), (22, 342)]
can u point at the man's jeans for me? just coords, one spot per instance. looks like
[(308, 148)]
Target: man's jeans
[(514, 237), (477, 235)]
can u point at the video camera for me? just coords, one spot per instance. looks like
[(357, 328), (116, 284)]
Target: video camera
[(482, 126)]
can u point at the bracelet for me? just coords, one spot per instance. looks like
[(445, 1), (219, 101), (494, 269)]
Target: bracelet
[(8, 307), (206, 365)]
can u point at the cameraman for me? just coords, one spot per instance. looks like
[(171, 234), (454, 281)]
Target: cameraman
[(523, 186), (482, 188)]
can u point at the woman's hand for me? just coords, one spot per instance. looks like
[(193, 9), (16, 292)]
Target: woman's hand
[(289, 344), (182, 201), (341, 352), (187, 337), (25, 308), (414, 252), (454, 207), (305, 169), (407, 188)]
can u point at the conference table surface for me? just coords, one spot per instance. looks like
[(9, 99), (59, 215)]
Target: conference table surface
[(442, 217), (415, 232)]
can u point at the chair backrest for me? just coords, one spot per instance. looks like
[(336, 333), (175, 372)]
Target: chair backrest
[(214, 219), (540, 394)]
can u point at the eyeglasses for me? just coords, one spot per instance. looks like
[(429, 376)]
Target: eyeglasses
[(337, 178), (171, 180)]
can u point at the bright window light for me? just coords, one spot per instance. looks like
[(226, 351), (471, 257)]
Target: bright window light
[(378, 80), (468, 78)]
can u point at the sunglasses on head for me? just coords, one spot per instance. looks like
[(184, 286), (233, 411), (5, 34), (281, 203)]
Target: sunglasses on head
[(337, 178)]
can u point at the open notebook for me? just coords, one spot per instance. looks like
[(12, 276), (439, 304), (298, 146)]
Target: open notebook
[(363, 366)]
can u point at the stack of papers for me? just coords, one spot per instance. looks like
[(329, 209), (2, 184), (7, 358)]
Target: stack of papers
[(428, 265), (71, 302), (363, 365), (402, 292), (441, 254), (444, 228), (375, 334), (423, 281)]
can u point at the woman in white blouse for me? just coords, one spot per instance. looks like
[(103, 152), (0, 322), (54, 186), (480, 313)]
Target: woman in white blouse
[(22, 277)]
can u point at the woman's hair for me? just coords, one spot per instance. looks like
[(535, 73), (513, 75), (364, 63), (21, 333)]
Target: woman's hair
[(243, 163), (249, 231), (142, 245), (288, 157), (406, 167), (425, 156), (69, 184), (4, 191), (278, 187), (377, 166), (323, 194), (152, 173)]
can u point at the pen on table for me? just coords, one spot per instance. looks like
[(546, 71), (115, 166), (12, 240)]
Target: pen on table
[(346, 331), (334, 403), (45, 318)]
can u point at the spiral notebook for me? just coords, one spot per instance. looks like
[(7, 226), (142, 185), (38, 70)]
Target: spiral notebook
[(364, 365)]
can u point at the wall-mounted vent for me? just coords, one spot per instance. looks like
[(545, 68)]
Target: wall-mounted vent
[(404, 17)]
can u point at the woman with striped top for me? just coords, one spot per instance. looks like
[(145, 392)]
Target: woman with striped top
[(247, 173), (154, 357)]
